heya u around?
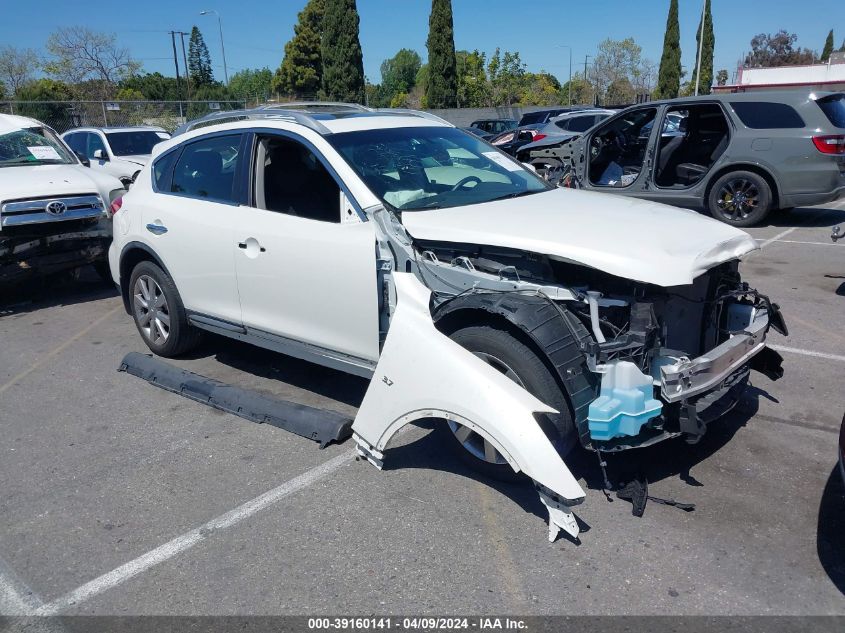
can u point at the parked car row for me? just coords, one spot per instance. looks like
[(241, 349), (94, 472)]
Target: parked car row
[(57, 194)]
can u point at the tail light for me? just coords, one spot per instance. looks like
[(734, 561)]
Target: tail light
[(834, 144), (114, 207), (537, 137)]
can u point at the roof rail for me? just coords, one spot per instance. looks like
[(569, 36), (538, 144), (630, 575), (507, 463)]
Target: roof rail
[(420, 113), (229, 116), (319, 106)]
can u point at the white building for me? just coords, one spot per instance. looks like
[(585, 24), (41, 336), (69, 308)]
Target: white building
[(826, 77)]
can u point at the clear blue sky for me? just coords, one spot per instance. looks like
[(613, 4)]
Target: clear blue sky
[(255, 31)]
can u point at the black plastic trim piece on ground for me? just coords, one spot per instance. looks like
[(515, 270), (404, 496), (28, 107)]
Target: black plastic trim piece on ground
[(319, 425)]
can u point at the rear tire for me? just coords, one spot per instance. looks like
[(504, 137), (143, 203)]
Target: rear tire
[(518, 362), (159, 313), (740, 198)]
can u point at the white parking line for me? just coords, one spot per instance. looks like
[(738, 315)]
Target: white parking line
[(831, 243), (15, 597), (807, 352), (189, 539), (777, 237)]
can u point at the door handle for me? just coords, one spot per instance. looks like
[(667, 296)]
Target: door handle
[(156, 229), (243, 245)]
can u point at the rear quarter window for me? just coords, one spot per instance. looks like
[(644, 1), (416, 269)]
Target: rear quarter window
[(767, 115), (162, 170), (833, 107)]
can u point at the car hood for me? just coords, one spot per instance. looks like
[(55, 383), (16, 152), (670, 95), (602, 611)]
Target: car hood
[(53, 180), (138, 159), (551, 139), (630, 238)]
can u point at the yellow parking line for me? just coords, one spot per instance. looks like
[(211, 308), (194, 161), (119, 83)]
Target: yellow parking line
[(58, 350)]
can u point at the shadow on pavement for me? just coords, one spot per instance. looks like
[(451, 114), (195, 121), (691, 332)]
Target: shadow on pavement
[(66, 288), (806, 217), (830, 534)]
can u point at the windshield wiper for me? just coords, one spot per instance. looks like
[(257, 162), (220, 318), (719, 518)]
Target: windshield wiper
[(518, 194)]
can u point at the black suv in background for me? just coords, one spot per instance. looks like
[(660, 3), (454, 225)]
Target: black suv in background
[(494, 126)]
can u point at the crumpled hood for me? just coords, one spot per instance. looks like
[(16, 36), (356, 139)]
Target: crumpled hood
[(627, 237), (53, 180)]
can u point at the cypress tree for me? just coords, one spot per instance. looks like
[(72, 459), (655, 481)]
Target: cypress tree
[(301, 71), (442, 86), (343, 62), (199, 60), (669, 75), (706, 74), (828, 47)]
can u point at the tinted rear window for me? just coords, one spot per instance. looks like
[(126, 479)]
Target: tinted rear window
[(833, 107), (533, 117), (766, 115)]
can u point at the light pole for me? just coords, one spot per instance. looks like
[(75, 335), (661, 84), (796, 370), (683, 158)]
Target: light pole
[(570, 69), (222, 48), (700, 45)]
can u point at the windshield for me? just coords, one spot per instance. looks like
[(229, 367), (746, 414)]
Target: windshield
[(136, 143), (33, 146), (433, 167)]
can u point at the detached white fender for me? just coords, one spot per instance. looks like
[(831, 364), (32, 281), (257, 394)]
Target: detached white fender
[(424, 374)]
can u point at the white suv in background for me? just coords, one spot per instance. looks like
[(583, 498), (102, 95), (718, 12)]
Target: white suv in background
[(118, 151), (391, 245)]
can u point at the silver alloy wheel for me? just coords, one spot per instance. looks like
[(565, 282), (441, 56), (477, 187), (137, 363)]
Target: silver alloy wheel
[(473, 442), (738, 198), (151, 310)]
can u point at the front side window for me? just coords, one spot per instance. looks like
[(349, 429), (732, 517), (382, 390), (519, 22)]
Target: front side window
[(206, 168), (135, 143), (76, 142), (33, 146), (290, 179), (421, 168), (764, 115), (96, 143)]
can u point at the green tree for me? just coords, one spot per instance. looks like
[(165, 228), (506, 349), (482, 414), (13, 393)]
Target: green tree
[(828, 47), (442, 87), (722, 77), (206, 96), (154, 86), (399, 73), (540, 89), (669, 75), (199, 60), (56, 115), (301, 71), (343, 61), (705, 79), (777, 50), (582, 90), (473, 87), (507, 77), (251, 84), (17, 66)]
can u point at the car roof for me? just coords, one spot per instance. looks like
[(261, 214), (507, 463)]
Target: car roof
[(117, 128), (15, 122), (783, 96), (323, 118)]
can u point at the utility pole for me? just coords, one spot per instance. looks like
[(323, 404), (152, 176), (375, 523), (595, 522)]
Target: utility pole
[(700, 45), (185, 60), (586, 57), (570, 70), (176, 63)]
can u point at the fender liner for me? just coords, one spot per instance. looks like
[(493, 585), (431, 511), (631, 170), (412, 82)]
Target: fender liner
[(556, 333), (422, 373)]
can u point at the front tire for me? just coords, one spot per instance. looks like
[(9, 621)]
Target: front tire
[(158, 311), (740, 198), (508, 355)]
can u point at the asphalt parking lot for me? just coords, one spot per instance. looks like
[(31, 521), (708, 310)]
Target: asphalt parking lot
[(120, 498)]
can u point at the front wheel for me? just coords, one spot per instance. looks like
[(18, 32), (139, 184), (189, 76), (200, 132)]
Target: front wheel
[(740, 198), (158, 311), (509, 356)]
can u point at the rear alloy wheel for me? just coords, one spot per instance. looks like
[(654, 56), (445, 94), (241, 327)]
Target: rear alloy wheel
[(510, 357), (158, 311), (740, 198)]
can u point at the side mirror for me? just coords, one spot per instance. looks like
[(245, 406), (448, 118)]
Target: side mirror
[(83, 159), (100, 154)]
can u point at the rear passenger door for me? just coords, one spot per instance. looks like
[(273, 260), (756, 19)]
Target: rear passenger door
[(305, 258), (189, 223)]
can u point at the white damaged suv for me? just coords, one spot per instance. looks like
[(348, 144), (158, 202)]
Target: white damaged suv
[(391, 245)]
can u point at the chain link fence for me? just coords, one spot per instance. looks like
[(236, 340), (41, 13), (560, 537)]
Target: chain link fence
[(64, 115)]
